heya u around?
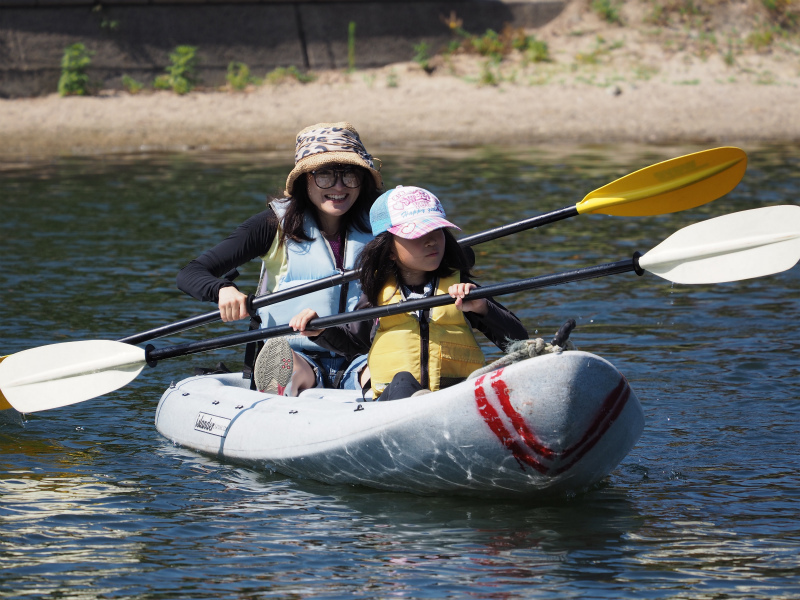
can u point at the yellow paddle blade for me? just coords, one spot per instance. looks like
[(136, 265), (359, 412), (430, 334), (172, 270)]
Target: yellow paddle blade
[(670, 186), (4, 405)]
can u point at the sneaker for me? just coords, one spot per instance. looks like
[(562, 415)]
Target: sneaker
[(274, 365)]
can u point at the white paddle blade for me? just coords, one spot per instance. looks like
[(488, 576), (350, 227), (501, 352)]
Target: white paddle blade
[(742, 245), (63, 374)]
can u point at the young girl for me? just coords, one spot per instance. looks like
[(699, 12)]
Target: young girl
[(413, 256), (317, 230)]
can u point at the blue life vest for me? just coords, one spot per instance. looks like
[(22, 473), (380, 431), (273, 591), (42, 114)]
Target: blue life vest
[(295, 263)]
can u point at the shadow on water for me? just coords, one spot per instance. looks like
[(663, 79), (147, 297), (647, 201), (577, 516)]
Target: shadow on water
[(96, 502)]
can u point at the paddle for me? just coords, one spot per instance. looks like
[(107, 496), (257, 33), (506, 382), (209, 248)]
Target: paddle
[(669, 186), (4, 405), (742, 245)]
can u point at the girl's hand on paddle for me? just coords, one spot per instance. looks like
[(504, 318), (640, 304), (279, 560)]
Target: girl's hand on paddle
[(232, 304), (459, 291), (301, 319)]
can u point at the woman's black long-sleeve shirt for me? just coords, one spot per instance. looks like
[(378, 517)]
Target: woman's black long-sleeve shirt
[(201, 278)]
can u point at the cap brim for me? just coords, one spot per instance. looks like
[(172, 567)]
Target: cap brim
[(420, 227)]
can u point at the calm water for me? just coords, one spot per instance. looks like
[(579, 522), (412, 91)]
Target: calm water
[(95, 503)]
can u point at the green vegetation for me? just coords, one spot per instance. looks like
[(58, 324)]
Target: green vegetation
[(684, 29), (608, 10), (74, 80), (690, 26), (238, 76), (351, 47), (105, 22), (488, 76), (490, 45), (535, 50), (181, 75), (784, 13), (729, 58), (422, 56), (281, 74), (644, 72), (766, 78), (131, 85), (601, 49), (686, 12), (369, 79), (761, 39), (496, 46), (110, 24)]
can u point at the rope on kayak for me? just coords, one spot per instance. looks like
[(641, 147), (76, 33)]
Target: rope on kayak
[(522, 350)]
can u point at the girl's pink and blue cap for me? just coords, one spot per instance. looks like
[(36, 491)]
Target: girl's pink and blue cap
[(408, 212)]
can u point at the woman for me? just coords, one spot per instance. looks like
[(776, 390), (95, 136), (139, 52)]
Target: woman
[(317, 230)]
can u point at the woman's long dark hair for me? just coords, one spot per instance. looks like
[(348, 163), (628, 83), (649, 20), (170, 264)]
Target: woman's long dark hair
[(357, 217), (376, 266)]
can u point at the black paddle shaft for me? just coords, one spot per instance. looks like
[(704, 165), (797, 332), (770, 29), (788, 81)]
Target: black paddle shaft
[(253, 302), (153, 355), (342, 278)]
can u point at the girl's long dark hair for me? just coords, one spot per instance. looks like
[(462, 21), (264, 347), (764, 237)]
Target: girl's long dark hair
[(299, 202), (376, 266)]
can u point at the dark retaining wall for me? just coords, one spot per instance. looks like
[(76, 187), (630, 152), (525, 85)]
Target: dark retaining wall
[(134, 38)]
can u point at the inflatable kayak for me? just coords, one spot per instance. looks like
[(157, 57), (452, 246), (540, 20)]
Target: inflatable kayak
[(549, 425)]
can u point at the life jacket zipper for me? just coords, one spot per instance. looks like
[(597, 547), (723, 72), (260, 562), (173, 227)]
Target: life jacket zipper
[(424, 340), (344, 289)]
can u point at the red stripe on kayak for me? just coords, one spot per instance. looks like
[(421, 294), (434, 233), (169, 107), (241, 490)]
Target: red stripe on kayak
[(497, 426), (611, 409), (501, 389)]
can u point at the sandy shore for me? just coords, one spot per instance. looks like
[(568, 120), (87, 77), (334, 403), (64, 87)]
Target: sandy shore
[(431, 111), (635, 91)]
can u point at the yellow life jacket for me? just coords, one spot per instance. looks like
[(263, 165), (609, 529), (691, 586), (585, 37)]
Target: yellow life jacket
[(402, 342)]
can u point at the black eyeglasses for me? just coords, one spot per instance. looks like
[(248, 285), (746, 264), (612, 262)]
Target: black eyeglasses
[(326, 178)]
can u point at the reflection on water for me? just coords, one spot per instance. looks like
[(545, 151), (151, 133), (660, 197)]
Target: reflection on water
[(96, 504)]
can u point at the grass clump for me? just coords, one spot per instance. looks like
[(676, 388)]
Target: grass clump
[(131, 85), (601, 50), (536, 50), (74, 80), (645, 72), (422, 56), (181, 76), (282, 74), (490, 45), (608, 10), (351, 47), (488, 75), (784, 13), (690, 12), (496, 46), (239, 77), (761, 39)]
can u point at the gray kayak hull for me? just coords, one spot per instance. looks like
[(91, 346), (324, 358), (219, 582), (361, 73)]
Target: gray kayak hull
[(555, 424)]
